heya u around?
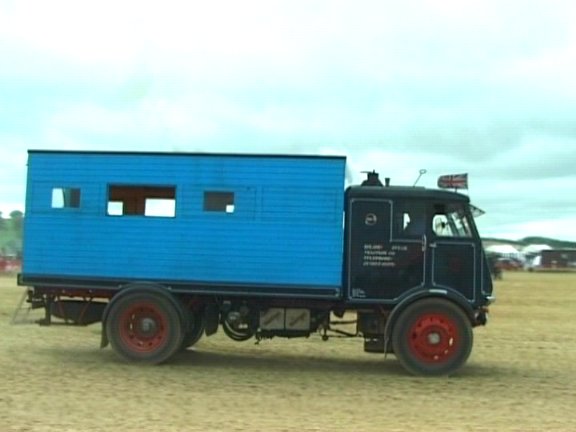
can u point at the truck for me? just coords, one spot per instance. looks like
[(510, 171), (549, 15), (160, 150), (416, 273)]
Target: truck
[(557, 260), (165, 248)]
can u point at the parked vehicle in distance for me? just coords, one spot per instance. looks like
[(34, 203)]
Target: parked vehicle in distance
[(554, 260), (509, 264)]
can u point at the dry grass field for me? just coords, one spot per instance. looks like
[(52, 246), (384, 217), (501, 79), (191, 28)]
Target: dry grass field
[(521, 376)]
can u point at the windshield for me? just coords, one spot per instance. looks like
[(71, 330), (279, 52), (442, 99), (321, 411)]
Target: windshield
[(452, 220)]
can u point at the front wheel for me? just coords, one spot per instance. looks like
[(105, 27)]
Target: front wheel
[(432, 337), (145, 327)]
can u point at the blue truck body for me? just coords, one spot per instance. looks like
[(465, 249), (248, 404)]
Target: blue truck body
[(285, 213)]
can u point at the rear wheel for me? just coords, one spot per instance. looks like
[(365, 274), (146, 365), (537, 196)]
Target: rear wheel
[(144, 327), (432, 337), (196, 330)]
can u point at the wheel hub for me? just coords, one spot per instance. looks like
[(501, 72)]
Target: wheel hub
[(143, 328), (147, 326), (433, 338)]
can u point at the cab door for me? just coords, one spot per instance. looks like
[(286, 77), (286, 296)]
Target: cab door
[(453, 249), (381, 263)]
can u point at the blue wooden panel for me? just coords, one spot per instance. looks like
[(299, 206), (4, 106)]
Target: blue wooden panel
[(287, 225)]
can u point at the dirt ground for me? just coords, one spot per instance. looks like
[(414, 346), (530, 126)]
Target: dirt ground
[(520, 377)]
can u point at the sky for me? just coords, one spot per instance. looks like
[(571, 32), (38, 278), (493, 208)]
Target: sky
[(486, 88)]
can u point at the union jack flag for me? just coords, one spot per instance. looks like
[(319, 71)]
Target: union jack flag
[(453, 181)]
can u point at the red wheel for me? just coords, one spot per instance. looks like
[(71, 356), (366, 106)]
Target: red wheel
[(144, 327), (432, 337)]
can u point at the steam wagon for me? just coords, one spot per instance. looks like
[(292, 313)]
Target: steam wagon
[(164, 248)]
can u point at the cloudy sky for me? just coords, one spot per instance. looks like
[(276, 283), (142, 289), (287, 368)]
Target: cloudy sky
[(484, 87)]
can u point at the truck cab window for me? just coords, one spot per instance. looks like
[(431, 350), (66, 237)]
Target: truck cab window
[(410, 220), (451, 220)]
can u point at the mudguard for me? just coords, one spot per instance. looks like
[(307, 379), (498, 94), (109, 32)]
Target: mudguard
[(445, 293)]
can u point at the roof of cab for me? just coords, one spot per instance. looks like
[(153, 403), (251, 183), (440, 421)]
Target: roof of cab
[(408, 192)]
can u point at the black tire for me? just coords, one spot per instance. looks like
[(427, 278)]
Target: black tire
[(145, 327), (196, 330), (432, 337)]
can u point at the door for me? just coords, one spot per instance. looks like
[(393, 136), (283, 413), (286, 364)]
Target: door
[(454, 252), (382, 264)]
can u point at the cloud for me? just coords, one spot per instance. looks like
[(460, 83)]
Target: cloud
[(456, 86)]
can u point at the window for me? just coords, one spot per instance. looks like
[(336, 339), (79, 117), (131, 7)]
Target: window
[(219, 202), (410, 219), (451, 221), (65, 198), (153, 201)]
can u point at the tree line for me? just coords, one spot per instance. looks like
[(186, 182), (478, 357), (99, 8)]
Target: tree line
[(11, 233)]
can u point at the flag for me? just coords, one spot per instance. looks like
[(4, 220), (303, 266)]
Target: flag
[(453, 181)]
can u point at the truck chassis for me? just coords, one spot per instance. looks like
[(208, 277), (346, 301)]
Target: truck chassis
[(148, 323)]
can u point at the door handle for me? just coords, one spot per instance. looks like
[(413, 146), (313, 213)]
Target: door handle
[(424, 242)]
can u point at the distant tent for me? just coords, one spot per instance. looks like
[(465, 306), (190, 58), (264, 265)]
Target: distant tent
[(535, 262), (534, 249), (505, 251)]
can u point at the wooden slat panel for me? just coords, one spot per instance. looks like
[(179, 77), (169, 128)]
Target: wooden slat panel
[(286, 227)]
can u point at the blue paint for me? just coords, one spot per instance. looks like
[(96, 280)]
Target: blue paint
[(286, 228)]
